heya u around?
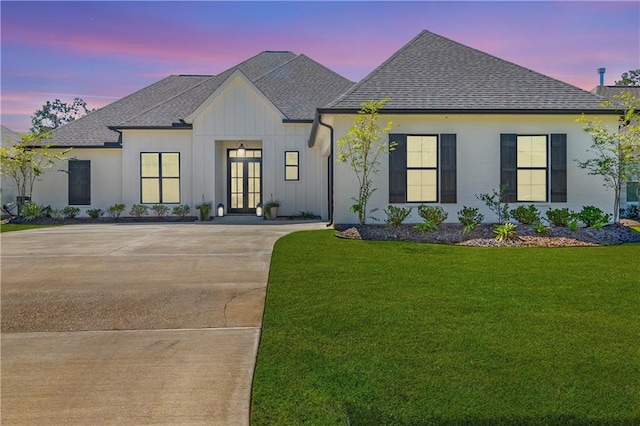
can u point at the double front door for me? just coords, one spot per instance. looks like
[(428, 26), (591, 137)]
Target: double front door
[(244, 177)]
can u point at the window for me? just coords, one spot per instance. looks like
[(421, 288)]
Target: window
[(529, 171), (532, 168), (291, 165), (160, 177), (422, 168), (633, 191), (79, 182)]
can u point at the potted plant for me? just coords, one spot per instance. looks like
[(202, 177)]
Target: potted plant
[(204, 210), (271, 209)]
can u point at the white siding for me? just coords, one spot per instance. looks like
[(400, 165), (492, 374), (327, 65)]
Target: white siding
[(52, 188), (478, 161)]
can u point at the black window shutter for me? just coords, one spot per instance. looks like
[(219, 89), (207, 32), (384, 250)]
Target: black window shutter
[(448, 192), (398, 169), (558, 168), (79, 182), (509, 166)]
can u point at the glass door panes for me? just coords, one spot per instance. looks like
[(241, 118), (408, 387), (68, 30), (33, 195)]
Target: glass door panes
[(245, 180)]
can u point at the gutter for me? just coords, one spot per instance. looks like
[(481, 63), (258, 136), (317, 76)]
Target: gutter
[(329, 168), (524, 111)]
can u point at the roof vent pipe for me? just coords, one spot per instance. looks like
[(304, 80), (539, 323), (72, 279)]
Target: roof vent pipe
[(601, 71)]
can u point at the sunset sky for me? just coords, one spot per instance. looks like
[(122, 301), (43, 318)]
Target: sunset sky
[(102, 51)]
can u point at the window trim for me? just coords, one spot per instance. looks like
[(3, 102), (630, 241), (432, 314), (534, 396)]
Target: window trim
[(436, 168), (69, 183), (296, 166), (160, 178)]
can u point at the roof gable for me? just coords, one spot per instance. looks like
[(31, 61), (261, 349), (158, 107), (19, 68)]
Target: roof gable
[(236, 75), (432, 72)]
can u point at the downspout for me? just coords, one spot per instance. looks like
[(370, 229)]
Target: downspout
[(329, 172)]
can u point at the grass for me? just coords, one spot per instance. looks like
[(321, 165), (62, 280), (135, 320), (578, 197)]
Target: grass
[(12, 227), (387, 333)]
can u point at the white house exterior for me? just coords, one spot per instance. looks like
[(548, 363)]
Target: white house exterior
[(470, 115)]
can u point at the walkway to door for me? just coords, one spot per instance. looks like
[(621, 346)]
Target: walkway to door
[(133, 324)]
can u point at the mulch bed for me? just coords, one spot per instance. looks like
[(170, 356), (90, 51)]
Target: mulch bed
[(483, 236)]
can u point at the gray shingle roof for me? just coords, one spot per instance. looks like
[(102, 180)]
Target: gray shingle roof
[(609, 92), (9, 136), (296, 85), (432, 72), (93, 129), (300, 86)]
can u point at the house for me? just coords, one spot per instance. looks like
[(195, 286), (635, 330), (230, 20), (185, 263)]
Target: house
[(630, 192), (465, 122)]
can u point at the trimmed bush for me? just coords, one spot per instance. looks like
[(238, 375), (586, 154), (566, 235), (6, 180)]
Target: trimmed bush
[(396, 215), (469, 218), (526, 215)]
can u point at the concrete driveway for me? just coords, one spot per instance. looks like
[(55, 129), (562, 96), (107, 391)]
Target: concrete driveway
[(133, 324)]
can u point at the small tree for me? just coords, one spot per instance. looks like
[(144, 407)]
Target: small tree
[(617, 154), (361, 149), (27, 160)]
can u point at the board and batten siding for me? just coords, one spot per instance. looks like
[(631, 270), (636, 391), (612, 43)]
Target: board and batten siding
[(477, 166), (240, 113)]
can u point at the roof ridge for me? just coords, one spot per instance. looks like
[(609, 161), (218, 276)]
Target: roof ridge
[(375, 70), (275, 69), (168, 99)]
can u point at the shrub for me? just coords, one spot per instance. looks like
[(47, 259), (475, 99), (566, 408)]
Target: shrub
[(116, 210), (426, 226), (433, 214), (160, 210), (182, 210), (469, 218), (56, 214), (307, 215), (560, 217), (70, 212), (396, 215), (526, 215), (540, 228), (505, 231), (95, 213), (138, 210), (31, 211), (495, 202), (593, 217)]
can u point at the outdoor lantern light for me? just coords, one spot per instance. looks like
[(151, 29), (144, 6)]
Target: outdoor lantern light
[(220, 210), (241, 150), (259, 210)]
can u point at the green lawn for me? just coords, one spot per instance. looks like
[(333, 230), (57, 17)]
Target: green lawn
[(388, 333), (11, 227)]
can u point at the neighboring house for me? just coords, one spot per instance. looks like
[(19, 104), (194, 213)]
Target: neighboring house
[(631, 190), (465, 122)]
